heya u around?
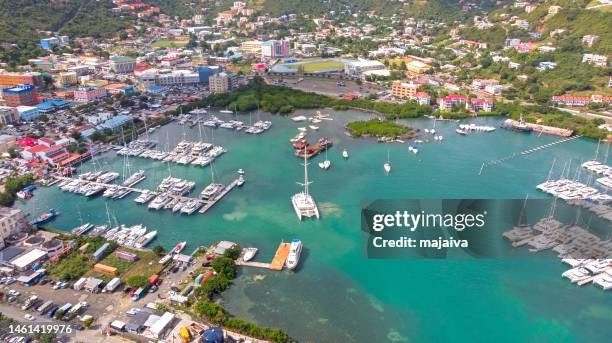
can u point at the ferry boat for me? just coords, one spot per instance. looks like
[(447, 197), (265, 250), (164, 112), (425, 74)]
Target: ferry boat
[(303, 203), (211, 191), (249, 253), (293, 259), (79, 230), (134, 179), (142, 241), (45, 217)]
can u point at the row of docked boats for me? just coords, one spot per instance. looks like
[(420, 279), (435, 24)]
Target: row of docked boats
[(136, 147), (258, 127), (601, 169), (464, 129), (186, 152), (131, 236), (175, 186), (573, 245), (573, 190)]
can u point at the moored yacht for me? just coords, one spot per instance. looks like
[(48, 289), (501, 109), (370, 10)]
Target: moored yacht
[(303, 203), (295, 250)]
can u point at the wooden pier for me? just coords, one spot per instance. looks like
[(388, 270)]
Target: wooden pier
[(278, 262), (210, 203), (281, 255)]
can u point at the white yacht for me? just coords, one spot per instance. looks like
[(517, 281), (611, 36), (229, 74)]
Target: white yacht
[(142, 241), (249, 253), (345, 153), (303, 203), (293, 259), (211, 191), (144, 197), (134, 179), (191, 206), (159, 202), (240, 181)]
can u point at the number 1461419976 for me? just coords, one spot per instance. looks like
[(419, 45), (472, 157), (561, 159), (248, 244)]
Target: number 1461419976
[(25, 329)]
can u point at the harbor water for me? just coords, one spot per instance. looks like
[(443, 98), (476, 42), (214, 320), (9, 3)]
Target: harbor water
[(336, 294)]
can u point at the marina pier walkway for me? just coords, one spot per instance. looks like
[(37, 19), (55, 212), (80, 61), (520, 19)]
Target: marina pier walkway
[(278, 262)]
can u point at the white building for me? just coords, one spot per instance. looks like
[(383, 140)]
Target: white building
[(12, 220), (598, 60), (27, 260), (167, 77), (159, 328), (356, 68)]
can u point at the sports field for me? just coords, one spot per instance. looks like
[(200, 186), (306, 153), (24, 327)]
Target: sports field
[(170, 43), (319, 66)]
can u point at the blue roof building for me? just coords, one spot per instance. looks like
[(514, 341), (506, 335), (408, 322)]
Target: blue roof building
[(52, 105), (49, 43), (115, 122)]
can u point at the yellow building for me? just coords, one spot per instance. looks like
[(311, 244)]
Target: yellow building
[(403, 90), (417, 67), (252, 47)]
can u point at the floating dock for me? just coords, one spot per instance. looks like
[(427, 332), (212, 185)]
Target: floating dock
[(210, 203), (281, 255), (278, 262)]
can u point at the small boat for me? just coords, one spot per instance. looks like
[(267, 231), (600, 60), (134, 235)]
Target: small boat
[(298, 118), (179, 247), (387, 165), (226, 111), (345, 153), (293, 259), (313, 127), (249, 253), (461, 132), (240, 181), (241, 171), (302, 129), (45, 217)]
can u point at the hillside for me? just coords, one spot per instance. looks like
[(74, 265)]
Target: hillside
[(22, 20)]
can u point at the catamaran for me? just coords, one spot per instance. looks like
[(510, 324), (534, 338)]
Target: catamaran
[(303, 203), (325, 164)]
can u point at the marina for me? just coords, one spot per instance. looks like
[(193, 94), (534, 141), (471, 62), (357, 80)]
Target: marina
[(261, 215)]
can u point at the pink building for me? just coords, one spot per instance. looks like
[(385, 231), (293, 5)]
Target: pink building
[(482, 105), (453, 100), (87, 94)]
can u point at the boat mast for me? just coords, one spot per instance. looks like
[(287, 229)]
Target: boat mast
[(305, 173)]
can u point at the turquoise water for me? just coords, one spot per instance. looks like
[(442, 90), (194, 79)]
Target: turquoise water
[(337, 295)]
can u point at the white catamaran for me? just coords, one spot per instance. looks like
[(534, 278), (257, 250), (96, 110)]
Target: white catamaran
[(303, 203)]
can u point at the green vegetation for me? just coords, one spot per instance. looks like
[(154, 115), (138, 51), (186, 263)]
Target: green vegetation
[(553, 117), (314, 67), (13, 185), (21, 23), (74, 265), (378, 128), (137, 281), (217, 315)]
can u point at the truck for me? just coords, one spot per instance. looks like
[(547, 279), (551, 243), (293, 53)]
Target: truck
[(29, 303), (139, 293), (62, 310), (45, 307)]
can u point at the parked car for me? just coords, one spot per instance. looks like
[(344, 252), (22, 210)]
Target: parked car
[(133, 311), (29, 317)]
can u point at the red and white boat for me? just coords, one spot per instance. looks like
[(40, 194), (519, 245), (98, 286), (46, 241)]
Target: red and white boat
[(179, 247)]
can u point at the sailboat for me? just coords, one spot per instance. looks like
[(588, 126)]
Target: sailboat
[(325, 164), (303, 203), (387, 164)]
